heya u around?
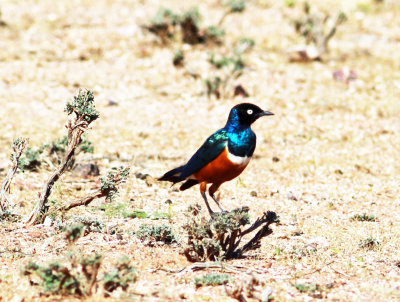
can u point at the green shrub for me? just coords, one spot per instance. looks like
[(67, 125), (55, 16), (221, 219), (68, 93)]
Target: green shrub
[(369, 243), (363, 217), (212, 279), (122, 275), (220, 237), (156, 233), (79, 275)]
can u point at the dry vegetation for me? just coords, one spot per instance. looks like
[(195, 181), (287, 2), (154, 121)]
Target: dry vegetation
[(327, 163)]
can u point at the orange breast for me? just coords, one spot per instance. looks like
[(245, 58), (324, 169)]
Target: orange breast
[(219, 170)]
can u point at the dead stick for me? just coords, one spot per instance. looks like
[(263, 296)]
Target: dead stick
[(74, 137), (315, 270), (18, 147)]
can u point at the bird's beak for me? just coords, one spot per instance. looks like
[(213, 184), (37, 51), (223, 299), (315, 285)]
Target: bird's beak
[(264, 113)]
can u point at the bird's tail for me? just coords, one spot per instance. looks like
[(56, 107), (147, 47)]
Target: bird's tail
[(173, 176)]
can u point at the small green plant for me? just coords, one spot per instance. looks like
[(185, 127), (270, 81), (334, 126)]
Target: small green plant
[(237, 6), (369, 243), (9, 216), (55, 278), (165, 16), (189, 23), (168, 25), (152, 234), (122, 275), (90, 266), (306, 287), (229, 68), (113, 210), (178, 59), (214, 33), (79, 275), (313, 289), (110, 183), (74, 232), (233, 6), (317, 29), (30, 161), (57, 149), (363, 217), (298, 252), (33, 158), (91, 225), (212, 280), (235, 63), (163, 24), (290, 3), (220, 237), (244, 45), (213, 86), (143, 214), (136, 214), (83, 106)]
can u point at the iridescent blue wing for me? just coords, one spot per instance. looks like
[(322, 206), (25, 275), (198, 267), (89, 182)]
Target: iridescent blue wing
[(212, 147)]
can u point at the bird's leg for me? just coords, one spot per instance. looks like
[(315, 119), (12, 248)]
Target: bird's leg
[(211, 191), (203, 188)]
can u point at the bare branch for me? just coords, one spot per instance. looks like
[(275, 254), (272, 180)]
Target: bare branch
[(108, 189), (18, 147)]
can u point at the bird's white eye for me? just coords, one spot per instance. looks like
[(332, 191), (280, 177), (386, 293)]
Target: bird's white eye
[(249, 111)]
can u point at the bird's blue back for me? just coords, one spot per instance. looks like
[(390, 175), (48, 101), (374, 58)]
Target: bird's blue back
[(240, 139)]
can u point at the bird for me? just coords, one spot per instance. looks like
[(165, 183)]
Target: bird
[(223, 156)]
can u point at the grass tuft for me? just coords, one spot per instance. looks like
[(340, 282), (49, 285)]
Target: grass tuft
[(212, 280), (74, 232), (364, 217), (369, 243), (78, 276), (152, 234), (121, 276)]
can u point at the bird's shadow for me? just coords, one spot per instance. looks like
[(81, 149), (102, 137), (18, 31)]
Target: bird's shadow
[(221, 236)]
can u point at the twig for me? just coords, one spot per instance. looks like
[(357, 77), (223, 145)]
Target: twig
[(220, 237), (46, 191), (93, 278), (67, 274), (236, 293), (339, 20), (18, 147), (224, 15), (206, 265), (339, 272), (79, 181), (315, 270), (114, 178), (49, 163), (194, 266), (268, 218), (8, 251), (232, 9)]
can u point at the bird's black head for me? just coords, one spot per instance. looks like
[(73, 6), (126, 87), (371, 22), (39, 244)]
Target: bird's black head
[(245, 114)]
